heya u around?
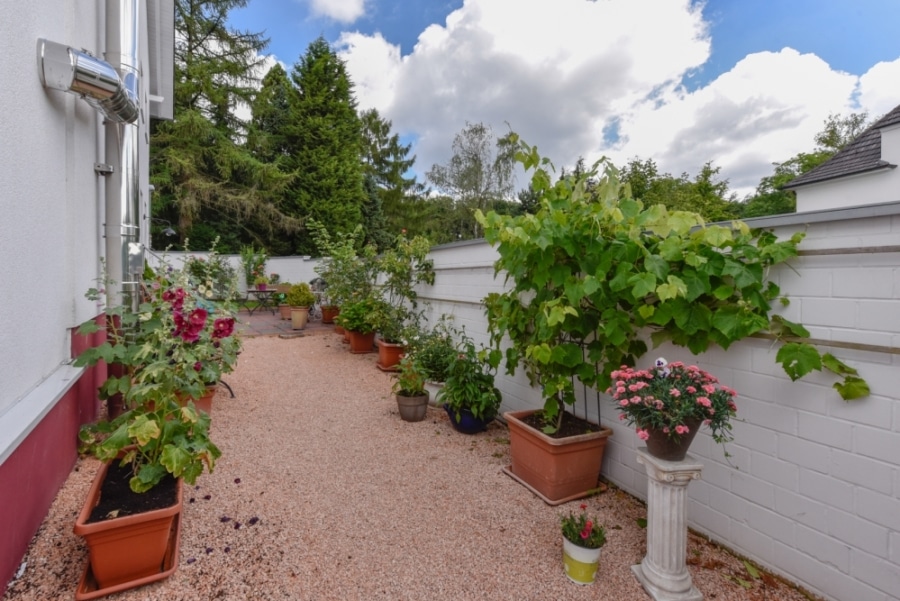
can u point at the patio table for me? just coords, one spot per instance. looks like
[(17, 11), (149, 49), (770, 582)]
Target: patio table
[(266, 300)]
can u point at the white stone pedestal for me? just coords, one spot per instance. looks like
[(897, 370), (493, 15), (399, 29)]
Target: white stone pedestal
[(663, 572)]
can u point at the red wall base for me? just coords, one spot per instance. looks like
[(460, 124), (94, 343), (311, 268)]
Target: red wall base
[(34, 473)]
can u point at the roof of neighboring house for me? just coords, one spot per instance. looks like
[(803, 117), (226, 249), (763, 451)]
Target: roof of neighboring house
[(861, 155)]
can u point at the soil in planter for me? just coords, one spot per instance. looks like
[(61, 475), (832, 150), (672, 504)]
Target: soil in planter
[(571, 425), (117, 496)]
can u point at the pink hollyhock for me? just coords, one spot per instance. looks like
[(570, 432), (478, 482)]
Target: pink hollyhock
[(223, 327)]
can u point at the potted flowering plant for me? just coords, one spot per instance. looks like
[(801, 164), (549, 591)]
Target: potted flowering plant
[(668, 403), (409, 389), (583, 537)]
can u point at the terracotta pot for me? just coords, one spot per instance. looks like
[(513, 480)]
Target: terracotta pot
[(660, 445), (412, 408), (299, 317), (329, 313), (129, 548), (389, 355), (339, 330), (204, 403), (361, 343), (580, 563), (557, 470), (284, 311)]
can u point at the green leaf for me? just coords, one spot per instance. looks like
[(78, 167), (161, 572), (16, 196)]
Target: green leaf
[(643, 284), (673, 288), (175, 459), (143, 430), (657, 266), (717, 236), (641, 522), (780, 326), (852, 388), (798, 359), (835, 365), (751, 569), (696, 318)]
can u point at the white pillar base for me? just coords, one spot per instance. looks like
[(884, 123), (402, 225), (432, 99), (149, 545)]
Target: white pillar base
[(663, 572)]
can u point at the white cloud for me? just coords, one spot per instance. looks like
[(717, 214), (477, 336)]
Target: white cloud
[(878, 92), (562, 73), (343, 11)]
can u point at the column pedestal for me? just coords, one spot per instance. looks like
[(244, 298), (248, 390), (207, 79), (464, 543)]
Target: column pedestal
[(663, 572)]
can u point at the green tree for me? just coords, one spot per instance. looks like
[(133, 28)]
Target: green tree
[(479, 172), (271, 115), (386, 162), (324, 138), (199, 169)]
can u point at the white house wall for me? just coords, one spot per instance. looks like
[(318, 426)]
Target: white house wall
[(811, 489), (51, 197)]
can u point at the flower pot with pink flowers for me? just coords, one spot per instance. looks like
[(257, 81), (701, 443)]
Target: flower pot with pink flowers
[(668, 404)]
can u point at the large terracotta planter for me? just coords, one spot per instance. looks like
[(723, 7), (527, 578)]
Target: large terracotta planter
[(299, 317), (361, 343), (329, 313), (556, 470), (129, 549), (204, 403), (389, 355)]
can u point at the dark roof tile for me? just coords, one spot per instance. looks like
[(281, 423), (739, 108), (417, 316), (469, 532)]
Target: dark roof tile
[(861, 155)]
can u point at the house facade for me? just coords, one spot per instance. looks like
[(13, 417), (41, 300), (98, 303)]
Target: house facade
[(81, 82), (862, 173)]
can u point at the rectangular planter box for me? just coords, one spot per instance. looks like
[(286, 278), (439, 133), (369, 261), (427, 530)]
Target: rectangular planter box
[(557, 470)]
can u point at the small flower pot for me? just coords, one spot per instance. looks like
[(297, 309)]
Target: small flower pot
[(329, 313), (412, 408), (579, 563), (361, 343), (389, 355), (284, 311), (662, 446)]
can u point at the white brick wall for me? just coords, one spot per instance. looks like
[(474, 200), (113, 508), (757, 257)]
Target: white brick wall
[(812, 485)]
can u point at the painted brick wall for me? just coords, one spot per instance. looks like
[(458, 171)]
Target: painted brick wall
[(811, 489)]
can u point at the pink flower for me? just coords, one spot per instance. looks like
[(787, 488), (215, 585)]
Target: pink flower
[(675, 392), (198, 366), (702, 400), (587, 530), (709, 388), (583, 506), (624, 402), (691, 389), (620, 390), (682, 429), (642, 434), (665, 429)]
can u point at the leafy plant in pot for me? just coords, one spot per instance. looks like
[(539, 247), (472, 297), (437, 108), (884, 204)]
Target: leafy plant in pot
[(359, 319), (347, 267), (435, 350), (300, 298), (594, 273), (469, 395), (409, 390)]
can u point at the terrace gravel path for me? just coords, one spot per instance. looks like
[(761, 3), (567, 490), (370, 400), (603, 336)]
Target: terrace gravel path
[(351, 503)]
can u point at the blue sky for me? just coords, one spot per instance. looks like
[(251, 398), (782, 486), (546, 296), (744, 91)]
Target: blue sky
[(743, 83)]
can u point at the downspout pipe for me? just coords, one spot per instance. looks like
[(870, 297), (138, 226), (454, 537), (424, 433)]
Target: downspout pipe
[(124, 250)]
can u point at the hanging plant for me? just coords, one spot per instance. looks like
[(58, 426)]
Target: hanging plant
[(594, 271)]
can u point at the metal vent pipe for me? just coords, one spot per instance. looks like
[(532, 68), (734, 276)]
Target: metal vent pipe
[(124, 251), (79, 72)]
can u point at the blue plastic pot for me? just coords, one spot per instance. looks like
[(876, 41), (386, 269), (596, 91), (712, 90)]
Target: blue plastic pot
[(468, 423)]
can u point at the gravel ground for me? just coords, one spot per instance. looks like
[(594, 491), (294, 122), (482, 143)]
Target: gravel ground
[(324, 493)]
